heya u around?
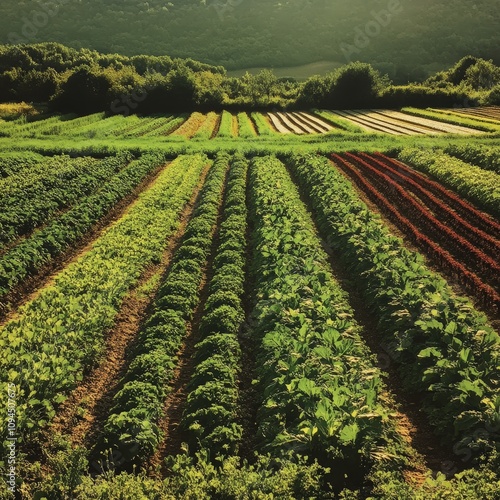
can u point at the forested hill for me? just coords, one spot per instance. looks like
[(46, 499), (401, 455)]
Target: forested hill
[(407, 39)]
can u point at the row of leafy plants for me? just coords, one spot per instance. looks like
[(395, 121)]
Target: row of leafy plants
[(226, 125), (208, 127), (30, 129), (262, 125), (33, 196), (30, 255), (66, 127), (132, 426), (486, 157), (245, 127), (167, 128), (446, 350), (59, 335), (211, 417), (189, 128), (14, 162), (453, 119), (321, 394), (475, 184), (148, 125)]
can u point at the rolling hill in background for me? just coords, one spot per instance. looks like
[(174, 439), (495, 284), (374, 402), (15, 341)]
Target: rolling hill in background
[(405, 38)]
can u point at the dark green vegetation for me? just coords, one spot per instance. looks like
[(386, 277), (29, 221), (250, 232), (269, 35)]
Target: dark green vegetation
[(255, 316), (215, 302), (249, 33), (84, 81)]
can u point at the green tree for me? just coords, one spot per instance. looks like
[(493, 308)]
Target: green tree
[(483, 75), (355, 86), (87, 90)]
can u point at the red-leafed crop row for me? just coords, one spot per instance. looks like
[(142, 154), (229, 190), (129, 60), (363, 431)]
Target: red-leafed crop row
[(477, 237), (462, 249), (471, 281), (466, 210)]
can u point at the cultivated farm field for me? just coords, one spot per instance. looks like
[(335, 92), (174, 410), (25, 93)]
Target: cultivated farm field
[(251, 305)]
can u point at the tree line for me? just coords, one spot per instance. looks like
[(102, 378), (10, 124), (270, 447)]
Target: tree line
[(84, 81)]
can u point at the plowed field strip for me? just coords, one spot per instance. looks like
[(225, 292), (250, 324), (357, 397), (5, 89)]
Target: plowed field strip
[(475, 236), (492, 112), (465, 209), (436, 125), (364, 124), (285, 123), (423, 129), (398, 128), (278, 125), (477, 115), (471, 282), (316, 121), (307, 126), (294, 124)]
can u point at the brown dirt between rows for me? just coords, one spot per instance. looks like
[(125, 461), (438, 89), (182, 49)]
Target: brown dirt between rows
[(215, 131), (252, 125), (31, 287), (170, 423), (411, 423), (235, 129), (94, 395)]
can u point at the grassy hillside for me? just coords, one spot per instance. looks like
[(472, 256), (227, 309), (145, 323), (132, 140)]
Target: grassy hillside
[(405, 39)]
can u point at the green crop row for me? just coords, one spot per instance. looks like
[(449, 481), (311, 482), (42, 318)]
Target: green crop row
[(262, 125), (246, 130), (31, 254), (339, 122), (472, 183), (320, 389), (132, 426), (69, 127), (226, 125), (30, 198), (485, 157), (149, 125), (102, 128), (207, 128), (211, 414), (60, 334), (168, 128), (31, 129), (14, 162), (444, 117), (445, 349)]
